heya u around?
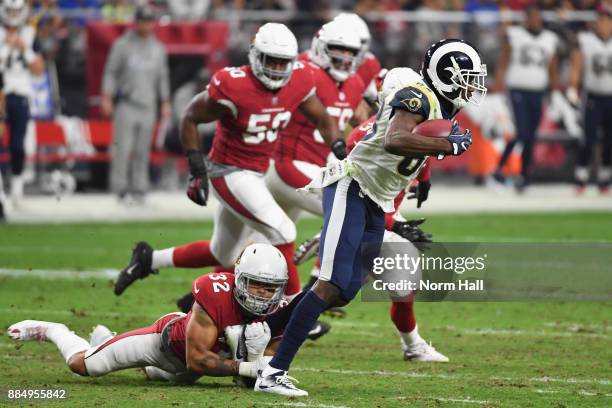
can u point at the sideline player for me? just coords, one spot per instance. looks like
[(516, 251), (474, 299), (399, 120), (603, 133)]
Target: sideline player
[(183, 347), (528, 66), (252, 104), (18, 62), (360, 189), (591, 64)]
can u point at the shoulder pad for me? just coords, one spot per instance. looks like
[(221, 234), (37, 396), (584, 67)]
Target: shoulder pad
[(414, 99)]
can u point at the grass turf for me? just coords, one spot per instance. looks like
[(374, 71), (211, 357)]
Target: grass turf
[(502, 354)]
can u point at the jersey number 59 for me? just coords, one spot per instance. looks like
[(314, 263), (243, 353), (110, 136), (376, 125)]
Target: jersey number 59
[(263, 127)]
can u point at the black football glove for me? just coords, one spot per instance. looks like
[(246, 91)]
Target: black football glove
[(459, 141), (420, 192), (410, 230), (338, 148), (197, 191)]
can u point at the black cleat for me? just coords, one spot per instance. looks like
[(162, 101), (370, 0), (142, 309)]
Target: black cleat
[(2, 215), (186, 303), (320, 329), (138, 268)]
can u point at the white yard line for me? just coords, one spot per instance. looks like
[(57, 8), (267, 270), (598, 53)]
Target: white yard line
[(67, 274), (300, 404), (409, 374), (459, 400)]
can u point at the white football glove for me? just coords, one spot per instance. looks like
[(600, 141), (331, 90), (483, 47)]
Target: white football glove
[(257, 336), (235, 342)]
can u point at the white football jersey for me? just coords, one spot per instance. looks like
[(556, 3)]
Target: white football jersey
[(380, 174), (597, 56), (17, 77), (530, 57)]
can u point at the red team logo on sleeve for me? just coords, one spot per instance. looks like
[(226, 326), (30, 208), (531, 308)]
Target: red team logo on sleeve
[(245, 139)]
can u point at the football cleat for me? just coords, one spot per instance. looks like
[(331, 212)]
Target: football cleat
[(277, 382), (2, 214), (307, 250), (320, 329), (100, 334), (138, 268), (31, 330), (421, 351)]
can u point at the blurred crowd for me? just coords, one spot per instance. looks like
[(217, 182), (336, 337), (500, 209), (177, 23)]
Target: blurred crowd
[(61, 35)]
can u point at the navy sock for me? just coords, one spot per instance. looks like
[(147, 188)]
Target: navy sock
[(302, 320)]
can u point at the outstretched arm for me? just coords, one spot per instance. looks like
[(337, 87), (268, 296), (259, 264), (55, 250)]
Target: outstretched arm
[(315, 112), (201, 109), (201, 336)]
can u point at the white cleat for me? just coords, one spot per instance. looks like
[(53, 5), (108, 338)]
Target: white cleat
[(277, 382), (421, 351), (100, 334), (31, 330)]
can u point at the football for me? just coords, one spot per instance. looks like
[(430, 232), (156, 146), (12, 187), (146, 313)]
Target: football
[(434, 128)]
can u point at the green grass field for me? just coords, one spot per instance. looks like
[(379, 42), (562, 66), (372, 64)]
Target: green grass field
[(502, 354)]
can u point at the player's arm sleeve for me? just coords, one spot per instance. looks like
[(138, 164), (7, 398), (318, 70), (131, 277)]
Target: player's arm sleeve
[(201, 289), (112, 69), (413, 100), (217, 91)]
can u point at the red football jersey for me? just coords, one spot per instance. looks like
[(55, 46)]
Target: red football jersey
[(214, 292), (301, 140), (246, 139), (369, 68), (355, 137)]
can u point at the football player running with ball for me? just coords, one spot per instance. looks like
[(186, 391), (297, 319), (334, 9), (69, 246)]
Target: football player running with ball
[(360, 189), (234, 322), (251, 105)]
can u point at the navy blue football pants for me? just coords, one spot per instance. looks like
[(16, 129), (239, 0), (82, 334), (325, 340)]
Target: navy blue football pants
[(527, 109), (17, 117)]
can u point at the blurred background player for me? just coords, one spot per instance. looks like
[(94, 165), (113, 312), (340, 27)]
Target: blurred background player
[(135, 79), (527, 68), (358, 191), (368, 66), (18, 62), (591, 66), (252, 104), (183, 347)]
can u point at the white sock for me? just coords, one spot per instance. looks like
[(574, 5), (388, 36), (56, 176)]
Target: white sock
[(66, 341), (16, 187), (411, 338), (315, 271), (162, 258), (604, 174), (581, 174), (2, 196)]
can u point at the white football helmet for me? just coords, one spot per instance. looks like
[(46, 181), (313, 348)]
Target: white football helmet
[(324, 51), (14, 13), (273, 41), (361, 28), (455, 70), (260, 263)]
